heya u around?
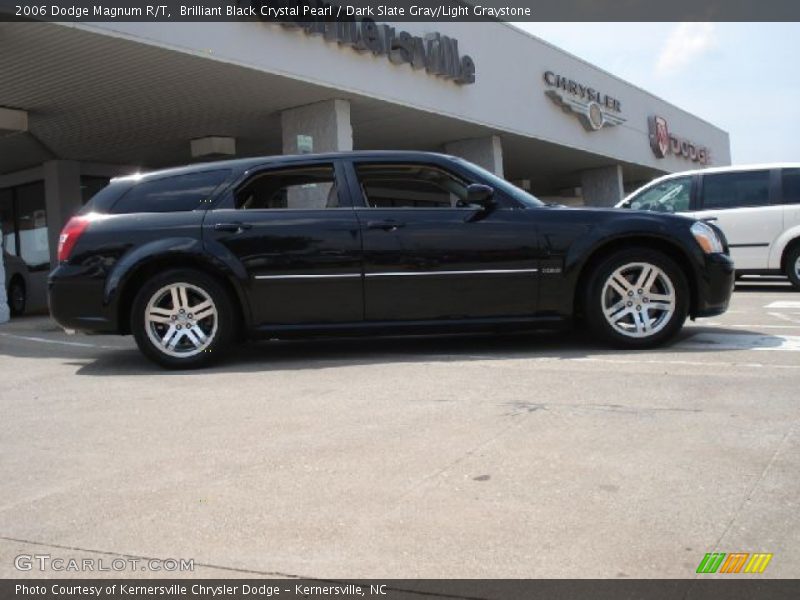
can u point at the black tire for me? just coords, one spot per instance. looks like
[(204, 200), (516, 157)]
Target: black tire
[(218, 338), (793, 266), (595, 295), (17, 296)]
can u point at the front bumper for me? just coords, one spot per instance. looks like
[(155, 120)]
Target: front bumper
[(714, 286), (76, 300)]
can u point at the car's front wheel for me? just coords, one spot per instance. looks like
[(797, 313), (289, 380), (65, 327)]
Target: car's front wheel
[(637, 298), (183, 318)]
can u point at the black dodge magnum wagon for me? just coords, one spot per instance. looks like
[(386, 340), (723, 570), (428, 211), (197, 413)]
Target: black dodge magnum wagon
[(190, 259)]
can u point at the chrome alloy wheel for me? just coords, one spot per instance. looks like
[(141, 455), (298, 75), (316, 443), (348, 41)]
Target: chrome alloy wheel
[(797, 267), (181, 320), (638, 300)]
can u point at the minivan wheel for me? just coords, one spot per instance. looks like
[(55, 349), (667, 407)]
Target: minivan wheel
[(17, 297), (793, 267), (182, 319), (637, 298)]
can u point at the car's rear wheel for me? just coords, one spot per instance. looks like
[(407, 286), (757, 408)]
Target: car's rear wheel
[(793, 267), (17, 296), (183, 318), (637, 298)]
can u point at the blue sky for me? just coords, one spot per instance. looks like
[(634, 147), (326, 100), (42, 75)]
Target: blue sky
[(742, 77)]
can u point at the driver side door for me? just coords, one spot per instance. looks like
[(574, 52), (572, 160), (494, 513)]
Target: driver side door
[(428, 255)]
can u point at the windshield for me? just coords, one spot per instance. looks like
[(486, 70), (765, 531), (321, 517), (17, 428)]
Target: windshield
[(670, 196), (509, 189)]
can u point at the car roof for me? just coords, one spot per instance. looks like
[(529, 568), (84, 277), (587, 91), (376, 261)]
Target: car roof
[(733, 169), (244, 164)]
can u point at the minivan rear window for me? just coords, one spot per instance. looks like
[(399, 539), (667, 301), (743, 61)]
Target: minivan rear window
[(737, 189), (171, 194), (791, 186)]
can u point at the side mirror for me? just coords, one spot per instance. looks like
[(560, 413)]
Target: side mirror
[(481, 195)]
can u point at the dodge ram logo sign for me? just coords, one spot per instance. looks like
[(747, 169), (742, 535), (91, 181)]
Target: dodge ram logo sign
[(664, 143), (659, 136)]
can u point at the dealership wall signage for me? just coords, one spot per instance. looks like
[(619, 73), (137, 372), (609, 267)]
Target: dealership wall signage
[(664, 143), (437, 54), (594, 109)]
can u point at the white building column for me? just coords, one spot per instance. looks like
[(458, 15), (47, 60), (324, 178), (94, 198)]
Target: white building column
[(603, 186), (62, 193), (4, 312), (319, 127), (486, 152)]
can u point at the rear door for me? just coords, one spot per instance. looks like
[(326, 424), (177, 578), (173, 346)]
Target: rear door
[(430, 256), (294, 229), (745, 206)]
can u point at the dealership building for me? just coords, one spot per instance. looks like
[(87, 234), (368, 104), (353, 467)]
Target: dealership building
[(80, 103)]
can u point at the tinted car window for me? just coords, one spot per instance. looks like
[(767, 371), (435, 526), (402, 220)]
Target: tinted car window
[(670, 196), (170, 194), (733, 190), (299, 188), (410, 186), (791, 186)]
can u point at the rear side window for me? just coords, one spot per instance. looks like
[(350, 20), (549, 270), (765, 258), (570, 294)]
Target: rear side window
[(791, 186), (299, 188), (735, 190), (171, 194)]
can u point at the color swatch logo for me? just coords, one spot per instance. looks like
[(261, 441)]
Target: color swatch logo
[(733, 563)]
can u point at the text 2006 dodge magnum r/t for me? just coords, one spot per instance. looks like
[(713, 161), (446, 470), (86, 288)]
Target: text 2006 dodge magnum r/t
[(190, 259)]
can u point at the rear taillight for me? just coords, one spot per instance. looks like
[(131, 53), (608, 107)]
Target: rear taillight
[(70, 234)]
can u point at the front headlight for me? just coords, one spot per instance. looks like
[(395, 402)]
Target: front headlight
[(707, 238)]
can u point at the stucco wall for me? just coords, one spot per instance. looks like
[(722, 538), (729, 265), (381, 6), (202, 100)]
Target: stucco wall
[(508, 95)]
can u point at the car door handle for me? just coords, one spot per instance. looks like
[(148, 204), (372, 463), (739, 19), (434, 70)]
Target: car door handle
[(232, 227), (389, 225)]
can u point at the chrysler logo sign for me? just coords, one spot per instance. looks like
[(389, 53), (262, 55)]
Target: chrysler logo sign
[(664, 143), (593, 109)]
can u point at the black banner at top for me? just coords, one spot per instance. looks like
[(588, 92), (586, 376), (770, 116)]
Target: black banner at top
[(399, 10)]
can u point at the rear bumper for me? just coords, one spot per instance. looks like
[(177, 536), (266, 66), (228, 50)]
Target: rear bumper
[(76, 300), (714, 286)]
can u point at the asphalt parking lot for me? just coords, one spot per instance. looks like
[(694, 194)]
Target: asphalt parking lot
[(538, 455)]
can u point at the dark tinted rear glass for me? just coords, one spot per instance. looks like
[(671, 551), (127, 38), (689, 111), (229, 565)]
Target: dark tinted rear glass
[(791, 186), (171, 194), (103, 200), (733, 190)]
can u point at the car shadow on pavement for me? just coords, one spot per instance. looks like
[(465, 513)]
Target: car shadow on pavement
[(265, 356)]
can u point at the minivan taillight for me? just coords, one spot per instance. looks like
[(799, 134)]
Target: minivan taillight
[(70, 234)]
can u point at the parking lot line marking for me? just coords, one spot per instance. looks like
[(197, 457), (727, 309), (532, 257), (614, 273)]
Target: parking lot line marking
[(784, 304), (627, 361), (62, 343), (750, 326), (743, 341)]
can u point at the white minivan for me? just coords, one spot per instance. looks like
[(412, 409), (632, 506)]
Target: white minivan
[(757, 207)]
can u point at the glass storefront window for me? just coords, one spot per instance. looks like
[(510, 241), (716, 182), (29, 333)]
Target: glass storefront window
[(24, 222), (8, 222), (32, 225)]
